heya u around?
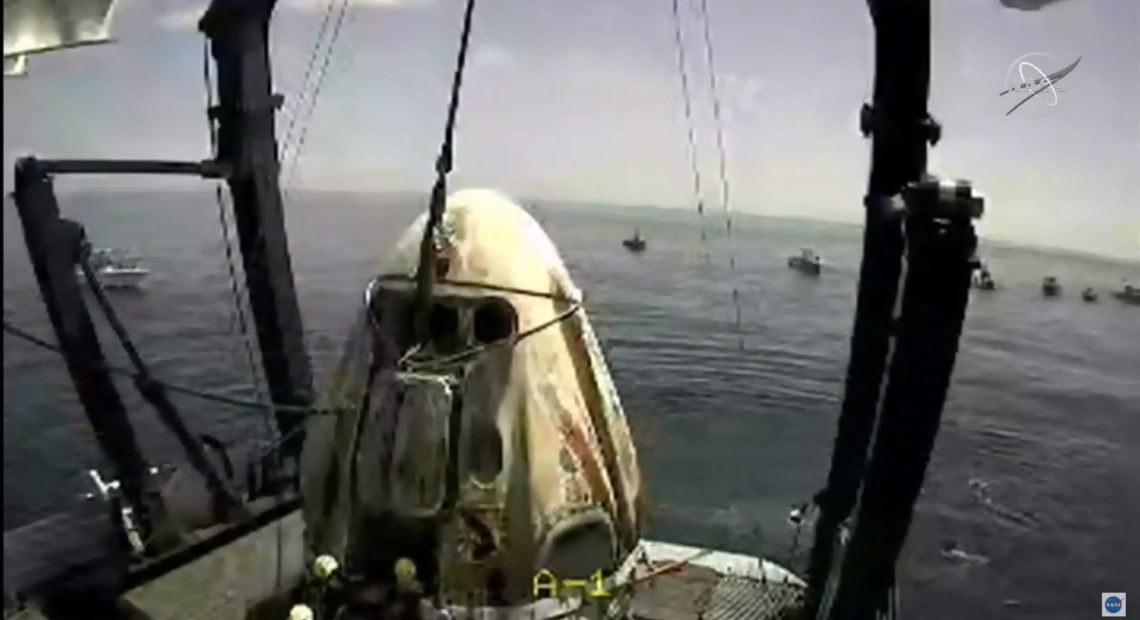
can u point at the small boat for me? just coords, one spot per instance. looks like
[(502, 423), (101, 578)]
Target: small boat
[(982, 280), (807, 261), (1089, 295), (1130, 294), (635, 243), (115, 268), (1050, 287)]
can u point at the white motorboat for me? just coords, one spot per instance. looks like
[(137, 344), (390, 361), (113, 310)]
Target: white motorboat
[(115, 269)]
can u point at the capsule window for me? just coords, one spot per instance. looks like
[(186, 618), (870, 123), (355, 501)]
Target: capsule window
[(494, 320), (443, 322)]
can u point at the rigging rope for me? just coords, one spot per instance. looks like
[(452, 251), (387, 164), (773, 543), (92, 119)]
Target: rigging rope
[(313, 98), (426, 271), (723, 164), (173, 387), (296, 108), (690, 126)]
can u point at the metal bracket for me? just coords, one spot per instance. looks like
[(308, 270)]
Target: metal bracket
[(891, 206), (111, 492), (871, 122), (273, 103), (932, 197), (943, 199), (208, 169)]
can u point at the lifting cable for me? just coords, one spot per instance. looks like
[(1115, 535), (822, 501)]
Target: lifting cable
[(690, 126), (294, 110), (427, 265), (307, 112), (723, 165)]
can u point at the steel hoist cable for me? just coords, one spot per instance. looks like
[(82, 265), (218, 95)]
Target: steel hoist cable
[(287, 174), (691, 131), (296, 108), (425, 274), (723, 164)]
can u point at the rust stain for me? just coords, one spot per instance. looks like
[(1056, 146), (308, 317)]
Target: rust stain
[(579, 445)]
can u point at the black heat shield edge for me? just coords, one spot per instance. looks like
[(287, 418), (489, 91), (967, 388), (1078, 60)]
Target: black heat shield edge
[(898, 156)]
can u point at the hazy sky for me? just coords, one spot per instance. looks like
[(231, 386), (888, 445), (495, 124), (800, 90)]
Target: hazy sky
[(580, 100)]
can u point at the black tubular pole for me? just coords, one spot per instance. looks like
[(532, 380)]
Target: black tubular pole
[(426, 271), (53, 246), (206, 169), (247, 146), (897, 120), (939, 265)]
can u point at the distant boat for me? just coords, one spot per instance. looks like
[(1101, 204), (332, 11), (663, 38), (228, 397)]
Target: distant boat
[(635, 243), (1089, 295), (115, 269), (807, 261), (982, 279), (1130, 294), (1050, 287)]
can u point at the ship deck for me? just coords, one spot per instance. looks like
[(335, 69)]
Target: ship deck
[(242, 581)]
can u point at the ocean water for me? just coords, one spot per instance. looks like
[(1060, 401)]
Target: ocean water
[(1036, 472)]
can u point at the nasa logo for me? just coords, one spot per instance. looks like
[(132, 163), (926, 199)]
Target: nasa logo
[(1036, 82), (1112, 605)]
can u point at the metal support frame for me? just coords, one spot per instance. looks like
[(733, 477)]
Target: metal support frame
[(939, 254), (205, 169), (54, 245), (900, 127), (238, 32), (247, 159)]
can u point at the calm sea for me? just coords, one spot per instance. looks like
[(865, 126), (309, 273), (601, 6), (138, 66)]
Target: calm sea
[(734, 423)]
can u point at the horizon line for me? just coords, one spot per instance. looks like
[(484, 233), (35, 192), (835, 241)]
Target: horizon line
[(531, 201)]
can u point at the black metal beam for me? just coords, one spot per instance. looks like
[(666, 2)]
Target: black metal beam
[(901, 128), (53, 246), (238, 32), (206, 169), (939, 265)]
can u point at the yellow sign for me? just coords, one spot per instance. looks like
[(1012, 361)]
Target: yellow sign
[(547, 585), (545, 582)]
